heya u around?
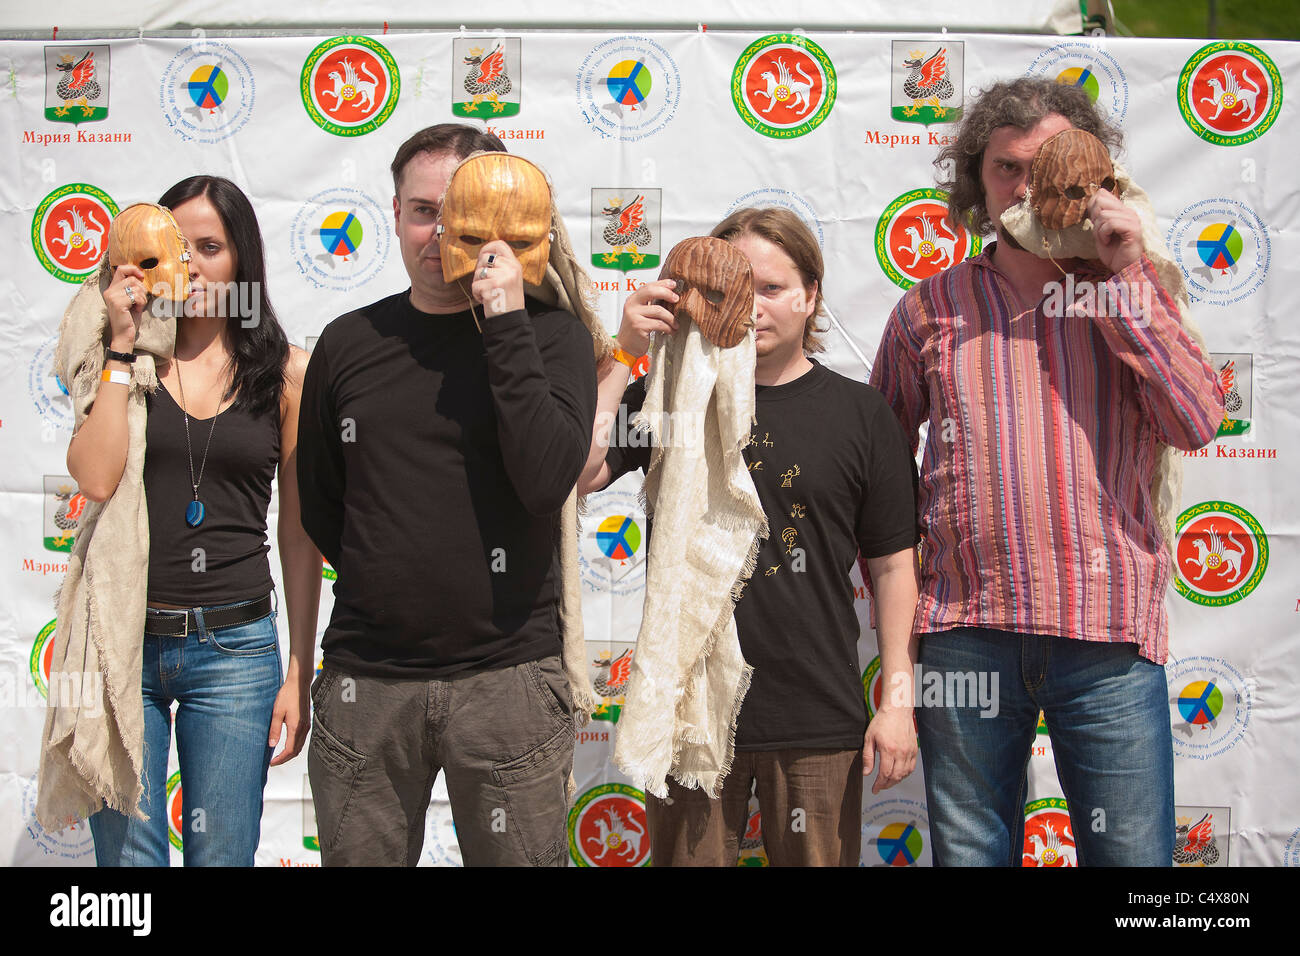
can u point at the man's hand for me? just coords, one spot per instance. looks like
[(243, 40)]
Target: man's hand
[(1118, 229), (891, 734), (498, 279), (644, 312), (292, 712)]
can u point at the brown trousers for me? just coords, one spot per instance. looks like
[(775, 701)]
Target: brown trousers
[(811, 805), (504, 739)]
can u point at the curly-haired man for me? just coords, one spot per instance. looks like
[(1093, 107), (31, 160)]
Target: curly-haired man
[(1043, 565)]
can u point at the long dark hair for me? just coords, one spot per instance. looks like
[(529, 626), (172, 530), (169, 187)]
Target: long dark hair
[(260, 349)]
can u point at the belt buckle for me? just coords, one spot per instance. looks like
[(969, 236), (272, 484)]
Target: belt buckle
[(169, 614)]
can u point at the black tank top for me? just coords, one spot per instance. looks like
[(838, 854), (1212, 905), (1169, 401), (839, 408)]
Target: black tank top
[(235, 489)]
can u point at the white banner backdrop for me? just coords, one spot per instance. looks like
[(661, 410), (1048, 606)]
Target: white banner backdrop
[(74, 17), (685, 123)]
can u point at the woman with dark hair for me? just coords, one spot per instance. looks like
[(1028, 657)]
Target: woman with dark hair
[(220, 427)]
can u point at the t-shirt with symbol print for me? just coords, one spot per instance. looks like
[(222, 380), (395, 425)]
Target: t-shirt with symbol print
[(832, 469)]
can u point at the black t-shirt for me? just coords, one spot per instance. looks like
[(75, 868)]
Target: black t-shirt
[(831, 466), (432, 464), (235, 458)]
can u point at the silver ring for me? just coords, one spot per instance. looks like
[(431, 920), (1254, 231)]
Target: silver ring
[(482, 273), (130, 294)]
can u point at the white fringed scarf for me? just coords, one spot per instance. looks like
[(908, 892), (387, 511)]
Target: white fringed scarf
[(688, 676)]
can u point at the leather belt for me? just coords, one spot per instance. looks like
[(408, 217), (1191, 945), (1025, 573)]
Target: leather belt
[(164, 623)]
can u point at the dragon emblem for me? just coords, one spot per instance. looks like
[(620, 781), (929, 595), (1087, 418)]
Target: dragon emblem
[(752, 838), (623, 838), (927, 83), (1230, 96), (626, 230), (77, 87), (72, 504), (1195, 843), (77, 234), (1049, 850), (612, 681), (486, 78), (1225, 557), (1228, 385)]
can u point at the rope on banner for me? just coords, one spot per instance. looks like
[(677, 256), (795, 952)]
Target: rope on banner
[(845, 335)]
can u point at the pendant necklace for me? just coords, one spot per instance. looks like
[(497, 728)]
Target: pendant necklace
[(194, 511)]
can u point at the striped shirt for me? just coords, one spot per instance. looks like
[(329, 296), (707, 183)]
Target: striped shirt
[(1035, 503)]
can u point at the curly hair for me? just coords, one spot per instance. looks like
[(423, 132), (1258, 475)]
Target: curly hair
[(783, 228), (1021, 103)]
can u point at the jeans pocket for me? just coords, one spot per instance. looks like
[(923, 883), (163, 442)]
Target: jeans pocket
[(246, 640)]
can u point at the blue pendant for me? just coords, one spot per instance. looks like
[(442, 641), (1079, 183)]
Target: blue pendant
[(194, 513)]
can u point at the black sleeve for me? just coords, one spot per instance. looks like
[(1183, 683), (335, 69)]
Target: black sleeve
[(320, 458), (544, 391), (628, 449), (887, 509)]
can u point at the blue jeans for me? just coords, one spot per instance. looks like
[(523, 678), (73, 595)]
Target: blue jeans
[(225, 682), (1107, 711)]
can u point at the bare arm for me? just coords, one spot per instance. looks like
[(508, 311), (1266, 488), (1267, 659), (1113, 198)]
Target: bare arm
[(642, 314), (301, 566), (97, 452), (892, 732)]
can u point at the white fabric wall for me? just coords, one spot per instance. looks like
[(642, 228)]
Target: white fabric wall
[(686, 150)]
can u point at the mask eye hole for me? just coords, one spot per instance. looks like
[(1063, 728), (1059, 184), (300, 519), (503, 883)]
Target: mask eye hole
[(1108, 184), (150, 263), (713, 296), (679, 286), (472, 240), (519, 245), (1074, 192)]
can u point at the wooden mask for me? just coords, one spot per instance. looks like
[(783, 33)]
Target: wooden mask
[(715, 286), (1068, 168), (147, 236), (496, 196)]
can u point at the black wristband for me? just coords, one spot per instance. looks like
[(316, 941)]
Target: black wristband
[(128, 358)]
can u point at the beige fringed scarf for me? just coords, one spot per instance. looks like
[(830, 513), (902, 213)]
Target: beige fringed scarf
[(688, 676), (1079, 242), (92, 755), (568, 287)]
